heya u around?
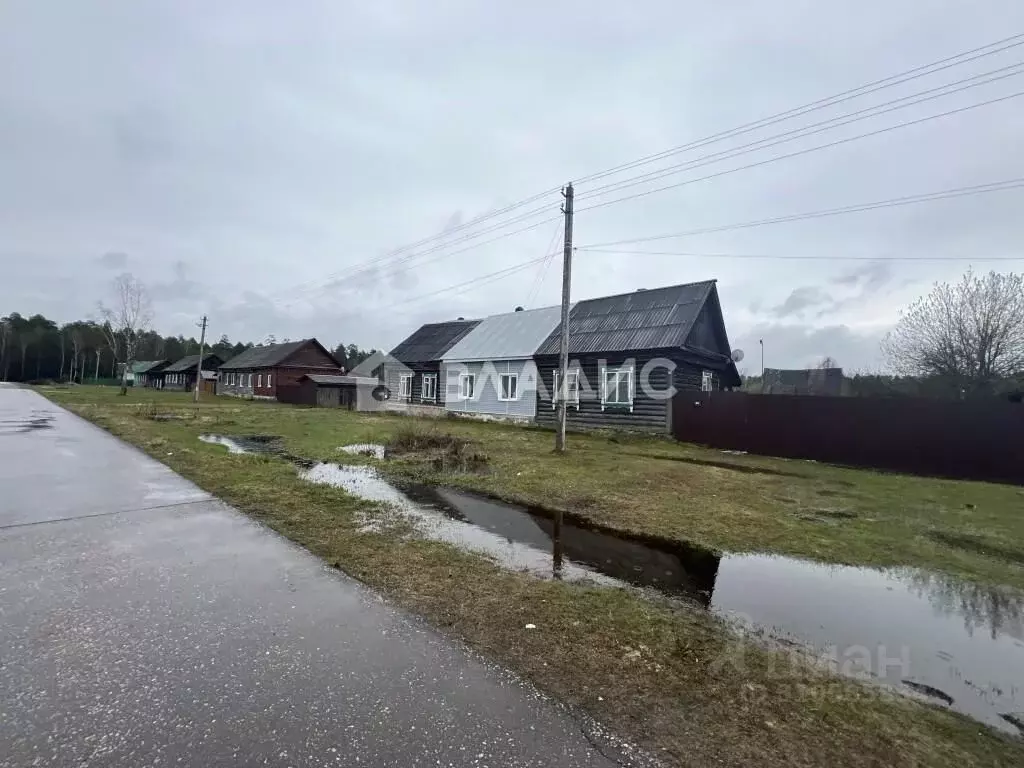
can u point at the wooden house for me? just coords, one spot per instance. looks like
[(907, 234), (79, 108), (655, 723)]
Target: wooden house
[(268, 371), (149, 373), (627, 353), (490, 373), (181, 374), (353, 393), (412, 372)]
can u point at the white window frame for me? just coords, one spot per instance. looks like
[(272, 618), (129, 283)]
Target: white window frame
[(467, 392), (248, 382), (269, 380), (428, 378), (513, 387), (707, 381), (405, 390), (618, 372), (259, 380), (572, 394)]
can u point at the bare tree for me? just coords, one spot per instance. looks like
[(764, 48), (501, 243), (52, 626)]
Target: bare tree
[(827, 362), (126, 321), (971, 333)]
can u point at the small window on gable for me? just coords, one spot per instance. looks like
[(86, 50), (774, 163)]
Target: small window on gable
[(467, 386), (429, 389), (707, 381), (617, 387), (509, 386)]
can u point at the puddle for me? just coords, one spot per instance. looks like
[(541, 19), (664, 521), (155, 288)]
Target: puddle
[(373, 450), (246, 444), (955, 643)]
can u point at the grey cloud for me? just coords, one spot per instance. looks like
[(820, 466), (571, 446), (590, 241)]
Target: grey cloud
[(116, 261), (180, 288), (801, 299), (789, 346)]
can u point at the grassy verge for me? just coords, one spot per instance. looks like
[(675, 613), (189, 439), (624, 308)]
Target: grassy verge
[(675, 681)]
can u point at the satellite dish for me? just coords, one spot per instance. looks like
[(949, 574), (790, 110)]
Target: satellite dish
[(737, 355)]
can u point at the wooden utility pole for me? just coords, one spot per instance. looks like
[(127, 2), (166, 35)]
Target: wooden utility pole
[(563, 361), (199, 363)]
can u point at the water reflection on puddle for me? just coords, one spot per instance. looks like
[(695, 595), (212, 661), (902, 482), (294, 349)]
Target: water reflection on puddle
[(912, 629), (374, 450)]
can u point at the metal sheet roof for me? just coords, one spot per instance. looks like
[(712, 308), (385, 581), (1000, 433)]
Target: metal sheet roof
[(145, 366), (431, 341), (267, 356), (656, 319), (511, 336), (188, 363)]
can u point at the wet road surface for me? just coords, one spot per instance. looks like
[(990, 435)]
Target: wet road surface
[(143, 622)]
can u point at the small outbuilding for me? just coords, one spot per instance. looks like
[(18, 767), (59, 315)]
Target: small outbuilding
[(353, 393)]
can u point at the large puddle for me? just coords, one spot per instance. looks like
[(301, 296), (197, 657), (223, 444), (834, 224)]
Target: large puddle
[(957, 643)]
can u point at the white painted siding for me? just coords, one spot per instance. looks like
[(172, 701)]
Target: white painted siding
[(487, 395)]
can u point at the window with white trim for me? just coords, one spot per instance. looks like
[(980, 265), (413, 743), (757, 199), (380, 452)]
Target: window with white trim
[(248, 382), (259, 379), (429, 386), (509, 386), (707, 381), (467, 386), (405, 385), (269, 380), (572, 395), (617, 386)]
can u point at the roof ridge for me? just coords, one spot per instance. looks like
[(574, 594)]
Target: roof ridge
[(712, 281)]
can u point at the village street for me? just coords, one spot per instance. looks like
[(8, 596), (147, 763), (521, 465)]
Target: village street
[(144, 622)]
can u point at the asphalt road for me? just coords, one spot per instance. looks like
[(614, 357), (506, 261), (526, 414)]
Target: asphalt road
[(144, 623)]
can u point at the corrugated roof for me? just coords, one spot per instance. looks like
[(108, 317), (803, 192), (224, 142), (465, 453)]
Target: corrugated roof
[(266, 356), (511, 336), (144, 366), (188, 363), (656, 319), (432, 341)]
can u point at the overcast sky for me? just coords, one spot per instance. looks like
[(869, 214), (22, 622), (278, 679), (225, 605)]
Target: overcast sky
[(245, 158)]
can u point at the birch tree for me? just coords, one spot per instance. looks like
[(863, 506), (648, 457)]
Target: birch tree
[(970, 333), (125, 321)]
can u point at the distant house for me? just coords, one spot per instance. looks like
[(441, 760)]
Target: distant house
[(181, 374), (269, 371), (353, 393), (149, 373), (491, 371), (627, 353), (803, 381), (412, 371)]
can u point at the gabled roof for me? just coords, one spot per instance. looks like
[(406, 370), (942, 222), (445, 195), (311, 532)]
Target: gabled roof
[(270, 355), (145, 366), (431, 341), (656, 319), (188, 363), (515, 335)]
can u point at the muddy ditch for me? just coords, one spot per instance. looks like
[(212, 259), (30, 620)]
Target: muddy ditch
[(954, 643)]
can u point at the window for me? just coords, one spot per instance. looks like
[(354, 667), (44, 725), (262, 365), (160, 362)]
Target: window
[(405, 385), (467, 385), (572, 396), (269, 380), (259, 379), (429, 387), (248, 382), (509, 386), (617, 386), (707, 381)]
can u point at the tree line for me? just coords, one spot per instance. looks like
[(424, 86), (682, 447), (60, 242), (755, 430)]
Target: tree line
[(36, 348)]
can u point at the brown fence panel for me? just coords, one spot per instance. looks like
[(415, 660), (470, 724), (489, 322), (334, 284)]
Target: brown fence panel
[(975, 440)]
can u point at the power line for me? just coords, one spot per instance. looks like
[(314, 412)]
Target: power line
[(890, 81), (807, 150), (799, 257), (543, 271), (978, 189), (876, 85), (825, 125)]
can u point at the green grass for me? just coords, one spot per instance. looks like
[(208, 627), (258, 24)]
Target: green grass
[(654, 672)]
